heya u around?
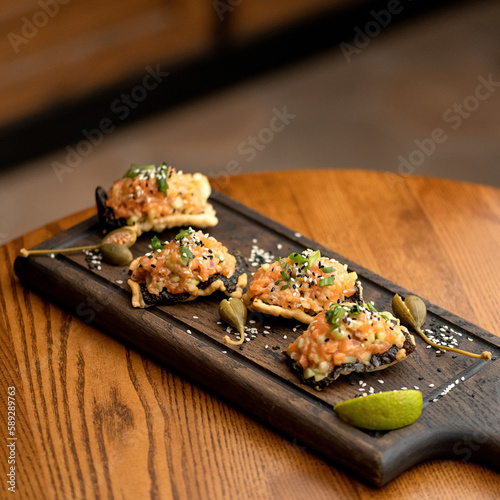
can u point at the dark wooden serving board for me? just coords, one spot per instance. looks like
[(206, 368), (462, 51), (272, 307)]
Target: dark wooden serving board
[(463, 424)]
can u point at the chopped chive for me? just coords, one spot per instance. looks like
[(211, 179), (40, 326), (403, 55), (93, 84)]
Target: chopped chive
[(313, 258), (156, 243), (161, 179), (296, 257), (334, 315), (330, 269), (372, 309), (285, 276), (182, 234), (186, 253), (327, 281), (282, 263)]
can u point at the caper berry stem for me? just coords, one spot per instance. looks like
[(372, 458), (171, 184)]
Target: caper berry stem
[(227, 340), (484, 355), (27, 253)]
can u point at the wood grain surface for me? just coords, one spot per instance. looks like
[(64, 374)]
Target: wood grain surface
[(95, 419)]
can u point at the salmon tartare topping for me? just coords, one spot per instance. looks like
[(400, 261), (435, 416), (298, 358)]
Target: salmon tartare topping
[(305, 281), (150, 192), (182, 264), (345, 333)]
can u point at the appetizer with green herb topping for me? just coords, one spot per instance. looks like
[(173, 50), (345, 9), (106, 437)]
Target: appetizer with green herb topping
[(154, 198), (348, 338), (191, 265), (300, 286)]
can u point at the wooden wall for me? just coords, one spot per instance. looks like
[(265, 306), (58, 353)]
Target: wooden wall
[(55, 51)]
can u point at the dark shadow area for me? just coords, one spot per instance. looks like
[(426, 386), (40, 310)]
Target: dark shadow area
[(227, 64)]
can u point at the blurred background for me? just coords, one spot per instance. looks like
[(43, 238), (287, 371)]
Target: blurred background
[(240, 86)]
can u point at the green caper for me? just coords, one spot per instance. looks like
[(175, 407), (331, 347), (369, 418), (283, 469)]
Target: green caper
[(234, 313), (116, 254), (125, 236), (402, 311), (417, 309)]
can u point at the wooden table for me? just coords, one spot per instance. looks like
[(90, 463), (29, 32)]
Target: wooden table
[(96, 419)]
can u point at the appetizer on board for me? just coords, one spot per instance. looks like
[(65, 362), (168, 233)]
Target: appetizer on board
[(154, 198), (300, 286), (191, 265), (348, 338)]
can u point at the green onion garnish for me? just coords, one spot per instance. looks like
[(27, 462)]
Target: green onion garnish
[(156, 243), (296, 257), (327, 281), (328, 269), (285, 275), (186, 253), (334, 316), (355, 310), (134, 171), (183, 234), (282, 263), (372, 309), (313, 258), (161, 179)]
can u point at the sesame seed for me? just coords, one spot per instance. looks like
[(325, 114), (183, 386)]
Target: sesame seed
[(380, 381), (189, 331), (431, 385)]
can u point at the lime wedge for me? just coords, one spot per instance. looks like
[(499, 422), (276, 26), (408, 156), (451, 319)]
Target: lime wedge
[(383, 411)]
